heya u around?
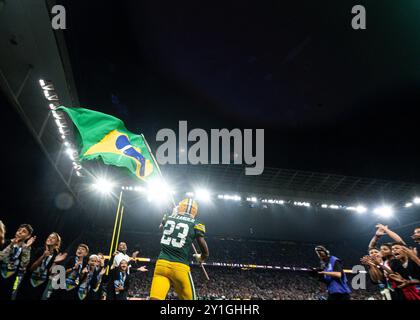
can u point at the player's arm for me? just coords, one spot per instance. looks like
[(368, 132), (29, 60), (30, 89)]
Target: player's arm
[(203, 248), (200, 231)]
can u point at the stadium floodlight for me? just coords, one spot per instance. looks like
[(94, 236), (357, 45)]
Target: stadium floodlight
[(301, 204), (158, 191), (220, 196), (408, 204), (361, 209), (251, 199), (139, 189), (52, 106), (55, 115), (42, 83), (63, 136), (334, 206), (358, 209), (384, 211), (324, 205), (103, 185), (69, 151), (416, 200), (202, 195), (232, 197)]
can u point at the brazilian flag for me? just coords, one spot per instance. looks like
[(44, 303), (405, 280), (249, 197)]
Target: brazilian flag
[(105, 137)]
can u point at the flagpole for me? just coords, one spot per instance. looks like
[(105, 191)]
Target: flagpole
[(120, 224), (115, 229), (173, 201)]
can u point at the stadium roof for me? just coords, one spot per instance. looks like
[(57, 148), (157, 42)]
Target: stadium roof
[(291, 183), (32, 50)]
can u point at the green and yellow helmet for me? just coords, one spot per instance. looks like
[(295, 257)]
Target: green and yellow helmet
[(188, 206)]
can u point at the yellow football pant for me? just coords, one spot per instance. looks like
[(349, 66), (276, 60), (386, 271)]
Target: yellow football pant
[(169, 273)]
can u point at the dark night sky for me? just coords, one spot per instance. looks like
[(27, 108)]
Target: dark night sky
[(330, 99)]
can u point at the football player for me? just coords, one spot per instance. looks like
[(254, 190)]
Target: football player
[(172, 268)]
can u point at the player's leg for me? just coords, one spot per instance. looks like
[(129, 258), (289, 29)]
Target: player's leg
[(184, 285), (160, 283)]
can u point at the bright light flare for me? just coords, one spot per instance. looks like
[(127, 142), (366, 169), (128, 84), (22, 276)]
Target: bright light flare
[(229, 197), (103, 185), (361, 209), (358, 209), (202, 195), (384, 211), (158, 192), (251, 199)]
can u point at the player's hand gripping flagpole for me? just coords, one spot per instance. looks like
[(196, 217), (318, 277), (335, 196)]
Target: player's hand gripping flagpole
[(174, 204)]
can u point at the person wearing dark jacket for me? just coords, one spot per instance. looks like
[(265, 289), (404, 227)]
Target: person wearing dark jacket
[(74, 266), (35, 279), (98, 290), (88, 279), (14, 259), (119, 282), (406, 271)]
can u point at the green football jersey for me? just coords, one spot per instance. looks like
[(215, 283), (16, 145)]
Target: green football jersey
[(179, 232)]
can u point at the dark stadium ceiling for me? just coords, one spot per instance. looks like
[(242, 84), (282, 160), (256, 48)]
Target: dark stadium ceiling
[(31, 51), (330, 99), (297, 184)]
